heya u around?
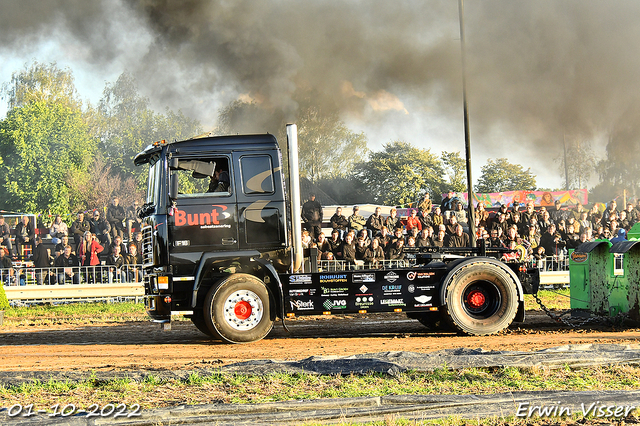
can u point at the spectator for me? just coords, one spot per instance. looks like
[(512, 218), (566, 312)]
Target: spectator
[(312, 216), (88, 251), (375, 223), (620, 236), (552, 241), (424, 239), (578, 210), (339, 222), (118, 242), (67, 264), (307, 241), (459, 239), (448, 202), (397, 235), (116, 261), (59, 248), (25, 234), (438, 240), (78, 228), (413, 221), (362, 243), (101, 228), (42, 263), (356, 222), (451, 226), (494, 240), (426, 205), (533, 238), (545, 222), (374, 253), (58, 230), (436, 217), (133, 259), (6, 267), (396, 252), (133, 220), (348, 249), (116, 217), (558, 214), (482, 214), (631, 214), (504, 211), (584, 222), (512, 235), (323, 245), (5, 236), (573, 238), (393, 221), (384, 238), (611, 210), (623, 222), (335, 242), (461, 214), (137, 239)]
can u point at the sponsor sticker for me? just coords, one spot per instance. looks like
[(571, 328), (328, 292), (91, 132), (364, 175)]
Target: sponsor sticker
[(423, 301), (300, 279), (334, 304), (302, 305), (411, 288), (333, 278), (393, 302), (364, 278), (411, 275), (302, 291), (363, 288), (391, 277), (393, 288), (335, 291), (424, 275), (579, 257)]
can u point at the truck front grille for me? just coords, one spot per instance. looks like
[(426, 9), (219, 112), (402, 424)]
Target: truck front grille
[(147, 245)]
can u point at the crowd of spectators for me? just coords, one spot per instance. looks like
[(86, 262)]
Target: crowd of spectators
[(91, 240), (541, 231)]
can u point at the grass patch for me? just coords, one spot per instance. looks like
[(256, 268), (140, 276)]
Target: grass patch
[(154, 392), (75, 313), (552, 299)]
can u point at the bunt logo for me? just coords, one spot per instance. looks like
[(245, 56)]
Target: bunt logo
[(183, 218), (302, 305), (391, 277), (334, 304)]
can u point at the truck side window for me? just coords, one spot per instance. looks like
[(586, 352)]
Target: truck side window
[(257, 174), (203, 176)]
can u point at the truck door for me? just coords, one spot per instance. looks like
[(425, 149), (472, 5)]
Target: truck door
[(205, 215), (260, 201)]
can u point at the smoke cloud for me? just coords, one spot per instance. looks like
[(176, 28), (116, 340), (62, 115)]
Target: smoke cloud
[(536, 70)]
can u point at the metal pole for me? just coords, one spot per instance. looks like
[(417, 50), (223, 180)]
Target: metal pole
[(566, 167), (467, 142)]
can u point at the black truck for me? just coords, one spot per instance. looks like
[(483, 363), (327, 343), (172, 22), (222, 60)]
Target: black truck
[(222, 246)]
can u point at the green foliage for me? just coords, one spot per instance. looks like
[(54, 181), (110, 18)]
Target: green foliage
[(125, 124), (400, 173), (4, 302), (500, 175), (456, 169), (580, 161), (40, 144), (41, 83)]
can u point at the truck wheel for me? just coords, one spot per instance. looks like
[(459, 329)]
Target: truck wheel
[(239, 309), (198, 320), (481, 299)]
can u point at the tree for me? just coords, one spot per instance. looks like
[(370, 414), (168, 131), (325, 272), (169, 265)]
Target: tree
[(500, 175), (455, 168), (40, 144), (41, 83), (327, 147), (581, 163), (400, 173), (126, 124)]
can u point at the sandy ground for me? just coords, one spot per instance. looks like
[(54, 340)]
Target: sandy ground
[(142, 345)]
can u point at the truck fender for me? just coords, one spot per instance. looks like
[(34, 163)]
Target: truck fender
[(208, 258), (455, 266), (275, 286)]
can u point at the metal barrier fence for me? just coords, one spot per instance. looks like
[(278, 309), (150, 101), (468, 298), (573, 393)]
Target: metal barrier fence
[(101, 274)]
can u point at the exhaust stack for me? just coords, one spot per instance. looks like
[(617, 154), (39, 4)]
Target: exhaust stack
[(294, 187)]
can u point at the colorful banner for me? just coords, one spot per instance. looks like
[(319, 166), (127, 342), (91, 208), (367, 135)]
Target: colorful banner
[(539, 198)]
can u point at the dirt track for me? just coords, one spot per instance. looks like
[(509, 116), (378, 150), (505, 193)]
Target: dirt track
[(142, 345)]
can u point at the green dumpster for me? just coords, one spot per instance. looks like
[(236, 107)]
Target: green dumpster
[(590, 266)]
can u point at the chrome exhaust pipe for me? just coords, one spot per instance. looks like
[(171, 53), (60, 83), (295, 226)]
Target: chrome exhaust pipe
[(294, 187)]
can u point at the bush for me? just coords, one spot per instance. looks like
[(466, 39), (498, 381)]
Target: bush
[(4, 303)]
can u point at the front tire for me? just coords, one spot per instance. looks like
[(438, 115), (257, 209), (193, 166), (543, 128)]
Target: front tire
[(481, 298), (239, 309)]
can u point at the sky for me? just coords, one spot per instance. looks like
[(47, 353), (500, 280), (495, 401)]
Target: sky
[(538, 72)]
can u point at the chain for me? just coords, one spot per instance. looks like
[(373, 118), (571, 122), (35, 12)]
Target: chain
[(578, 323)]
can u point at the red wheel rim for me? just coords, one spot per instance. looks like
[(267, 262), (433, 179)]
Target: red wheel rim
[(476, 299), (242, 310)]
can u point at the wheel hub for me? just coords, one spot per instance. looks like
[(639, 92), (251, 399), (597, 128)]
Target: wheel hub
[(476, 299), (243, 310)]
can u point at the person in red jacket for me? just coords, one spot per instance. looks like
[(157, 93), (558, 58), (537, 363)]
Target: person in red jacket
[(88, 254), (413, 221)]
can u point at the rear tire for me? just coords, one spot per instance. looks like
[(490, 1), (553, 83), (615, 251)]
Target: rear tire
[(239, 309), (481, 298)]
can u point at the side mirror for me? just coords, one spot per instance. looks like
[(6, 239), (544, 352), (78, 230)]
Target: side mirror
[(173, 186)]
